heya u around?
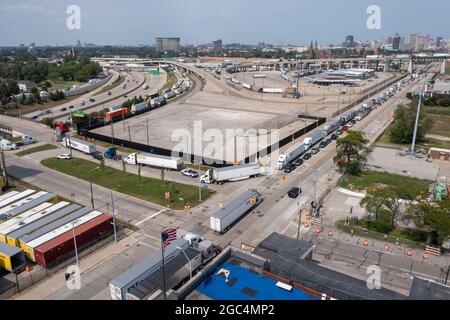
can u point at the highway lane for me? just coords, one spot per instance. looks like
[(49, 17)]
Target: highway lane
[(133, 81)]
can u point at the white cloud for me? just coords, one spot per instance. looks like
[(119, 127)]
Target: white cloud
[(23, 7)]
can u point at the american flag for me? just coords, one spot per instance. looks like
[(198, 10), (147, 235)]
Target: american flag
[(168, 235)]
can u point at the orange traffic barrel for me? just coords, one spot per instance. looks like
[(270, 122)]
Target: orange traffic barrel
[(318, 229), (365, 243)]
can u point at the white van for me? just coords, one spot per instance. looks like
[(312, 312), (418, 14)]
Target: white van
[(7, 145)]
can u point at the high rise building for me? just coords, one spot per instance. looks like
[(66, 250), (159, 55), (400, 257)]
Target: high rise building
[(413, 41), (167, 44), (349, 42), (439, 42), (217, 45), (396, 42)]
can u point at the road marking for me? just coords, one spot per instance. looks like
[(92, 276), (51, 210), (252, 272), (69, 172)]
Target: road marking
[(152, 216), (151, 237), (147, 245), (287, 227)]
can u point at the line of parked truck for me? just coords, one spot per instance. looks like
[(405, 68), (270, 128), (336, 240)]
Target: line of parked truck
[(335, 127)]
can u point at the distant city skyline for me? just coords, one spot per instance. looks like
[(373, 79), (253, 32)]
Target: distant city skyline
[(120, 22)]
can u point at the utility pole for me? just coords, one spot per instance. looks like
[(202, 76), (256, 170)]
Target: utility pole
[(70, 148), (112, 131), (75, 244), (5, 174), (129, 133), (113, 216), (148, 138), (315, 195), (199, 186), (299, 218), (413, 145)]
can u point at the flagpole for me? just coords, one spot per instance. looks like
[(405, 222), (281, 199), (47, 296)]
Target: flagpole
[(163, 268)]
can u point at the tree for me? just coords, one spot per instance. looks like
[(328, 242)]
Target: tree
[(434, 217), (352, 152), (384, 203), (402, 128)]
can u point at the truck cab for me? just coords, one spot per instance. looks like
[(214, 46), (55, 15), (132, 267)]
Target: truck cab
[(131, 158), (7, 145), (282, 159), (207, 177), (26, 139)]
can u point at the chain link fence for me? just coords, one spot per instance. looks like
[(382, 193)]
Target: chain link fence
[(37, 273)]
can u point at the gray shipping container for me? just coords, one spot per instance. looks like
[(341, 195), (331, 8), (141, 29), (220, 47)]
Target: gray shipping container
[(29, 228), (224, 218), (55, 224), (14, 212)]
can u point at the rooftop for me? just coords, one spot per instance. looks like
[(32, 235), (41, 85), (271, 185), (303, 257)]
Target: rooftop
[(423, 289)]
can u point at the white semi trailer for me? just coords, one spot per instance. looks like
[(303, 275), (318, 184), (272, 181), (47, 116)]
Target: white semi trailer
[(291, 154), (225, 217), (154, 160), (313, 138), (79, 145), (233, 173)]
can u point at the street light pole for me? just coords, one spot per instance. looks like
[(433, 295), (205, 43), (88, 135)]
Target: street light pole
[(315, 194), (413, 145), (114, 217), (90, 185), (75, 244)]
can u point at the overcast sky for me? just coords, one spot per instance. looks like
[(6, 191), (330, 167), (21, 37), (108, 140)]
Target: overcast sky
[(136, 22)]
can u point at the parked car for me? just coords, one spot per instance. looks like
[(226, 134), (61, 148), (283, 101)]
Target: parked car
[(298, 162), (82, 103), (71, 107), (307, 156), (294, 192), (323, 144), (338, 132), (109, 93), (329, 140), (64, 156), (344, 128), (189, 173), (125, 96), (92, 100), (63, 109), (289, 168), (315, 150)]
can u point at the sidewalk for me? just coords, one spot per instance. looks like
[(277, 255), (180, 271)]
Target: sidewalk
[(49, 286)]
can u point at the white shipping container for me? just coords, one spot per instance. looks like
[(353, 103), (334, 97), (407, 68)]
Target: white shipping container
[(79, 145), (272, 90)]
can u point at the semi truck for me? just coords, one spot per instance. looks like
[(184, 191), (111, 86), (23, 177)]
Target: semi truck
[(154, 160), (312, 139), (291, 154), (233, 173), (259, 76), (169, 95), (139, 107), (223, 219), (331, 126), (79, 145), (117, 113), (111, 153), (158, 102)]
